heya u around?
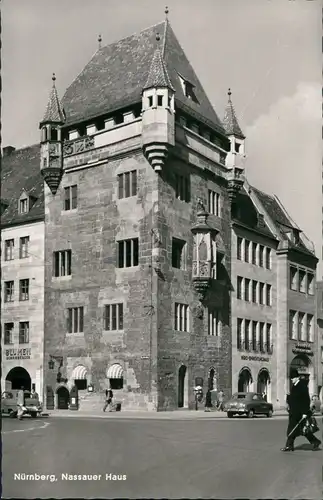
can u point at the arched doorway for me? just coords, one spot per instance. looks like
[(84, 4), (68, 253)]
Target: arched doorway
[(18, 377), (182, 387), (212, 380), (304, 366), (63, 397), (245, 380), (263, 383)]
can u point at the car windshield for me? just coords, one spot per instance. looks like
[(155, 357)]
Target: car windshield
[(239, 396)]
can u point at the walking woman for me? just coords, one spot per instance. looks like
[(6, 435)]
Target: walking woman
[(299, 407), (108, 399), (208, 400)]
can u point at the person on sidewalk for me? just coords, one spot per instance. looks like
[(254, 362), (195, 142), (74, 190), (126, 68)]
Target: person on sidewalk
[(208, 400), (220, 402), (299, 407), (108, 400), (21, 403)]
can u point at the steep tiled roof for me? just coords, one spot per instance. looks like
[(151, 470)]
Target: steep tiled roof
[(230, 121), (272, 207), (116, 74), (21, 171), (54, 112), (158, 76), (247, 214)]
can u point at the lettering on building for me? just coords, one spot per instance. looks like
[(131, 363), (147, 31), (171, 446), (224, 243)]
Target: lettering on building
[(24, 353), (254, 358)]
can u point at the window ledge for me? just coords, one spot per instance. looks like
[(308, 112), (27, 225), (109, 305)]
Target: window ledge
[(62, 278), (72, 211)]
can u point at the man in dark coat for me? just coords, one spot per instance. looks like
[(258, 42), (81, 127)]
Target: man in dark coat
[(299, 407)]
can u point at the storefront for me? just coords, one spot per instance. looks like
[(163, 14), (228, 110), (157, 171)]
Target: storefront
[(22, 368), (253, 374)]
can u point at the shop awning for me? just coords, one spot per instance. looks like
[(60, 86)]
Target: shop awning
[(115, 371), (79, 373)]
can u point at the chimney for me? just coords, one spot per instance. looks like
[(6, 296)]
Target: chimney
[(8, 150)]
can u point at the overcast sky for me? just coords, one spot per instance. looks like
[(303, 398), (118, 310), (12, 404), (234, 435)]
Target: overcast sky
[(267, 51)]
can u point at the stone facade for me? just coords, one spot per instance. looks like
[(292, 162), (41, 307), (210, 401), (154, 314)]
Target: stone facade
[(30, 355)]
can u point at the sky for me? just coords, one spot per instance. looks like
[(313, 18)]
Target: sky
[(267, 51)]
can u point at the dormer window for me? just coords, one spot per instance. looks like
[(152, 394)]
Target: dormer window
[(150, 101), (23, 206), (237, 147), (4, 205), (54, 134), (188, 89), (159, 100)]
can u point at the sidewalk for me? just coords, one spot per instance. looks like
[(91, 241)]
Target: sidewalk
[(150, 415)]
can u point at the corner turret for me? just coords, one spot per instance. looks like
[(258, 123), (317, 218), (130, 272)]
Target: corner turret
[(158, 113), (236, 156), (51, 159)]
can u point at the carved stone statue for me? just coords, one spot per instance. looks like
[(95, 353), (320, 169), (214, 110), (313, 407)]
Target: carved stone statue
[(200, 205)]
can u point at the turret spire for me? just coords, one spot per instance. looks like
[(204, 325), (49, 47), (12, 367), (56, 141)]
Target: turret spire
[(230, 121), (100, 41), (54, 112), (158, 75)]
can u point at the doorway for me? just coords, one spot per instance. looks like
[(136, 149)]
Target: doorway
[(182, 387), (245, 380), (263, 384), (18, 377), (63, 397)]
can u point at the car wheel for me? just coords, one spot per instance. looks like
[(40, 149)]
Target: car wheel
[(13, 414), (250, 414), (270, 414), (229, 414), (33, 414)]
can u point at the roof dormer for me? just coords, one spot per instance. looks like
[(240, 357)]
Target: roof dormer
[(188, 89), (25, 202), (4, 204)]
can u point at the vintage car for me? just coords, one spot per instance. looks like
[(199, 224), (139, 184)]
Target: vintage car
[(249, 404), (9, 404)]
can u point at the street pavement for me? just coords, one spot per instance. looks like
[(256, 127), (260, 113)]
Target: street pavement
[(157, 458)]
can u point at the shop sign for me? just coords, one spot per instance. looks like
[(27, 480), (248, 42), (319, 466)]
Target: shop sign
[(24, 353), (303, 348), (254, 358)]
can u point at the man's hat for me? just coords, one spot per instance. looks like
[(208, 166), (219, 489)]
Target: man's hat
[(293, 373)]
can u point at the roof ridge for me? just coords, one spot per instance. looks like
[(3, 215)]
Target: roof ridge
[(17, 150), (133, 34), (165, 34)]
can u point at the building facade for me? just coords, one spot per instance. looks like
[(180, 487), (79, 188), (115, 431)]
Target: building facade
[(319, 336), (22, 265)]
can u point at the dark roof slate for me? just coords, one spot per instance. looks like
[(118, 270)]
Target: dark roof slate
[(230, 121), (247, 214), (115, 76), (20, 171), (158, 76)]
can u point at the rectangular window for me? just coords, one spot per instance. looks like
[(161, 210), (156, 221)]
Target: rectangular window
[(178, 253), (268, 295), (159, 100), (262, 293), (75, 320), (301, 281), (8, 333), (24, 289), (293, 278), (213, 323), (214, 203), (293, 325), (261, 255), (309, 328), (301, 332), (246, 250), (310, 284), (262, 336), (247, 289), (239, 287), (127, 183), (268, 258), (24, 332), (181, 317), (8, 249), (247, 334), (239, 333), (113, 317), (62, 263), (254, 291), (254, 335), (23, 206), (182, 187), (70, 197), (128, 253), (239, 248), (8, 291), (254, 253), (269, 338), (23, 248)]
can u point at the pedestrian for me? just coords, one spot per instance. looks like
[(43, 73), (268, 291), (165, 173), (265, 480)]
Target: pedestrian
[(208, 400), (21, 403), (299, 408), (220, 400), (108, 399), (34, 394)]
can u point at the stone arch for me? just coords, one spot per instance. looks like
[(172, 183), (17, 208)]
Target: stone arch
[(19, 377), (245, 380), (62, 397), (263, 383)]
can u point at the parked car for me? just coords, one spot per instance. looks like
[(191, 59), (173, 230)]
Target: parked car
[(9, 404), (249, 404)]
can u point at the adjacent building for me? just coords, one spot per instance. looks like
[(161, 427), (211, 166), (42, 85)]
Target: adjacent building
[(22, 269), (153, 264), (319, 336)]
